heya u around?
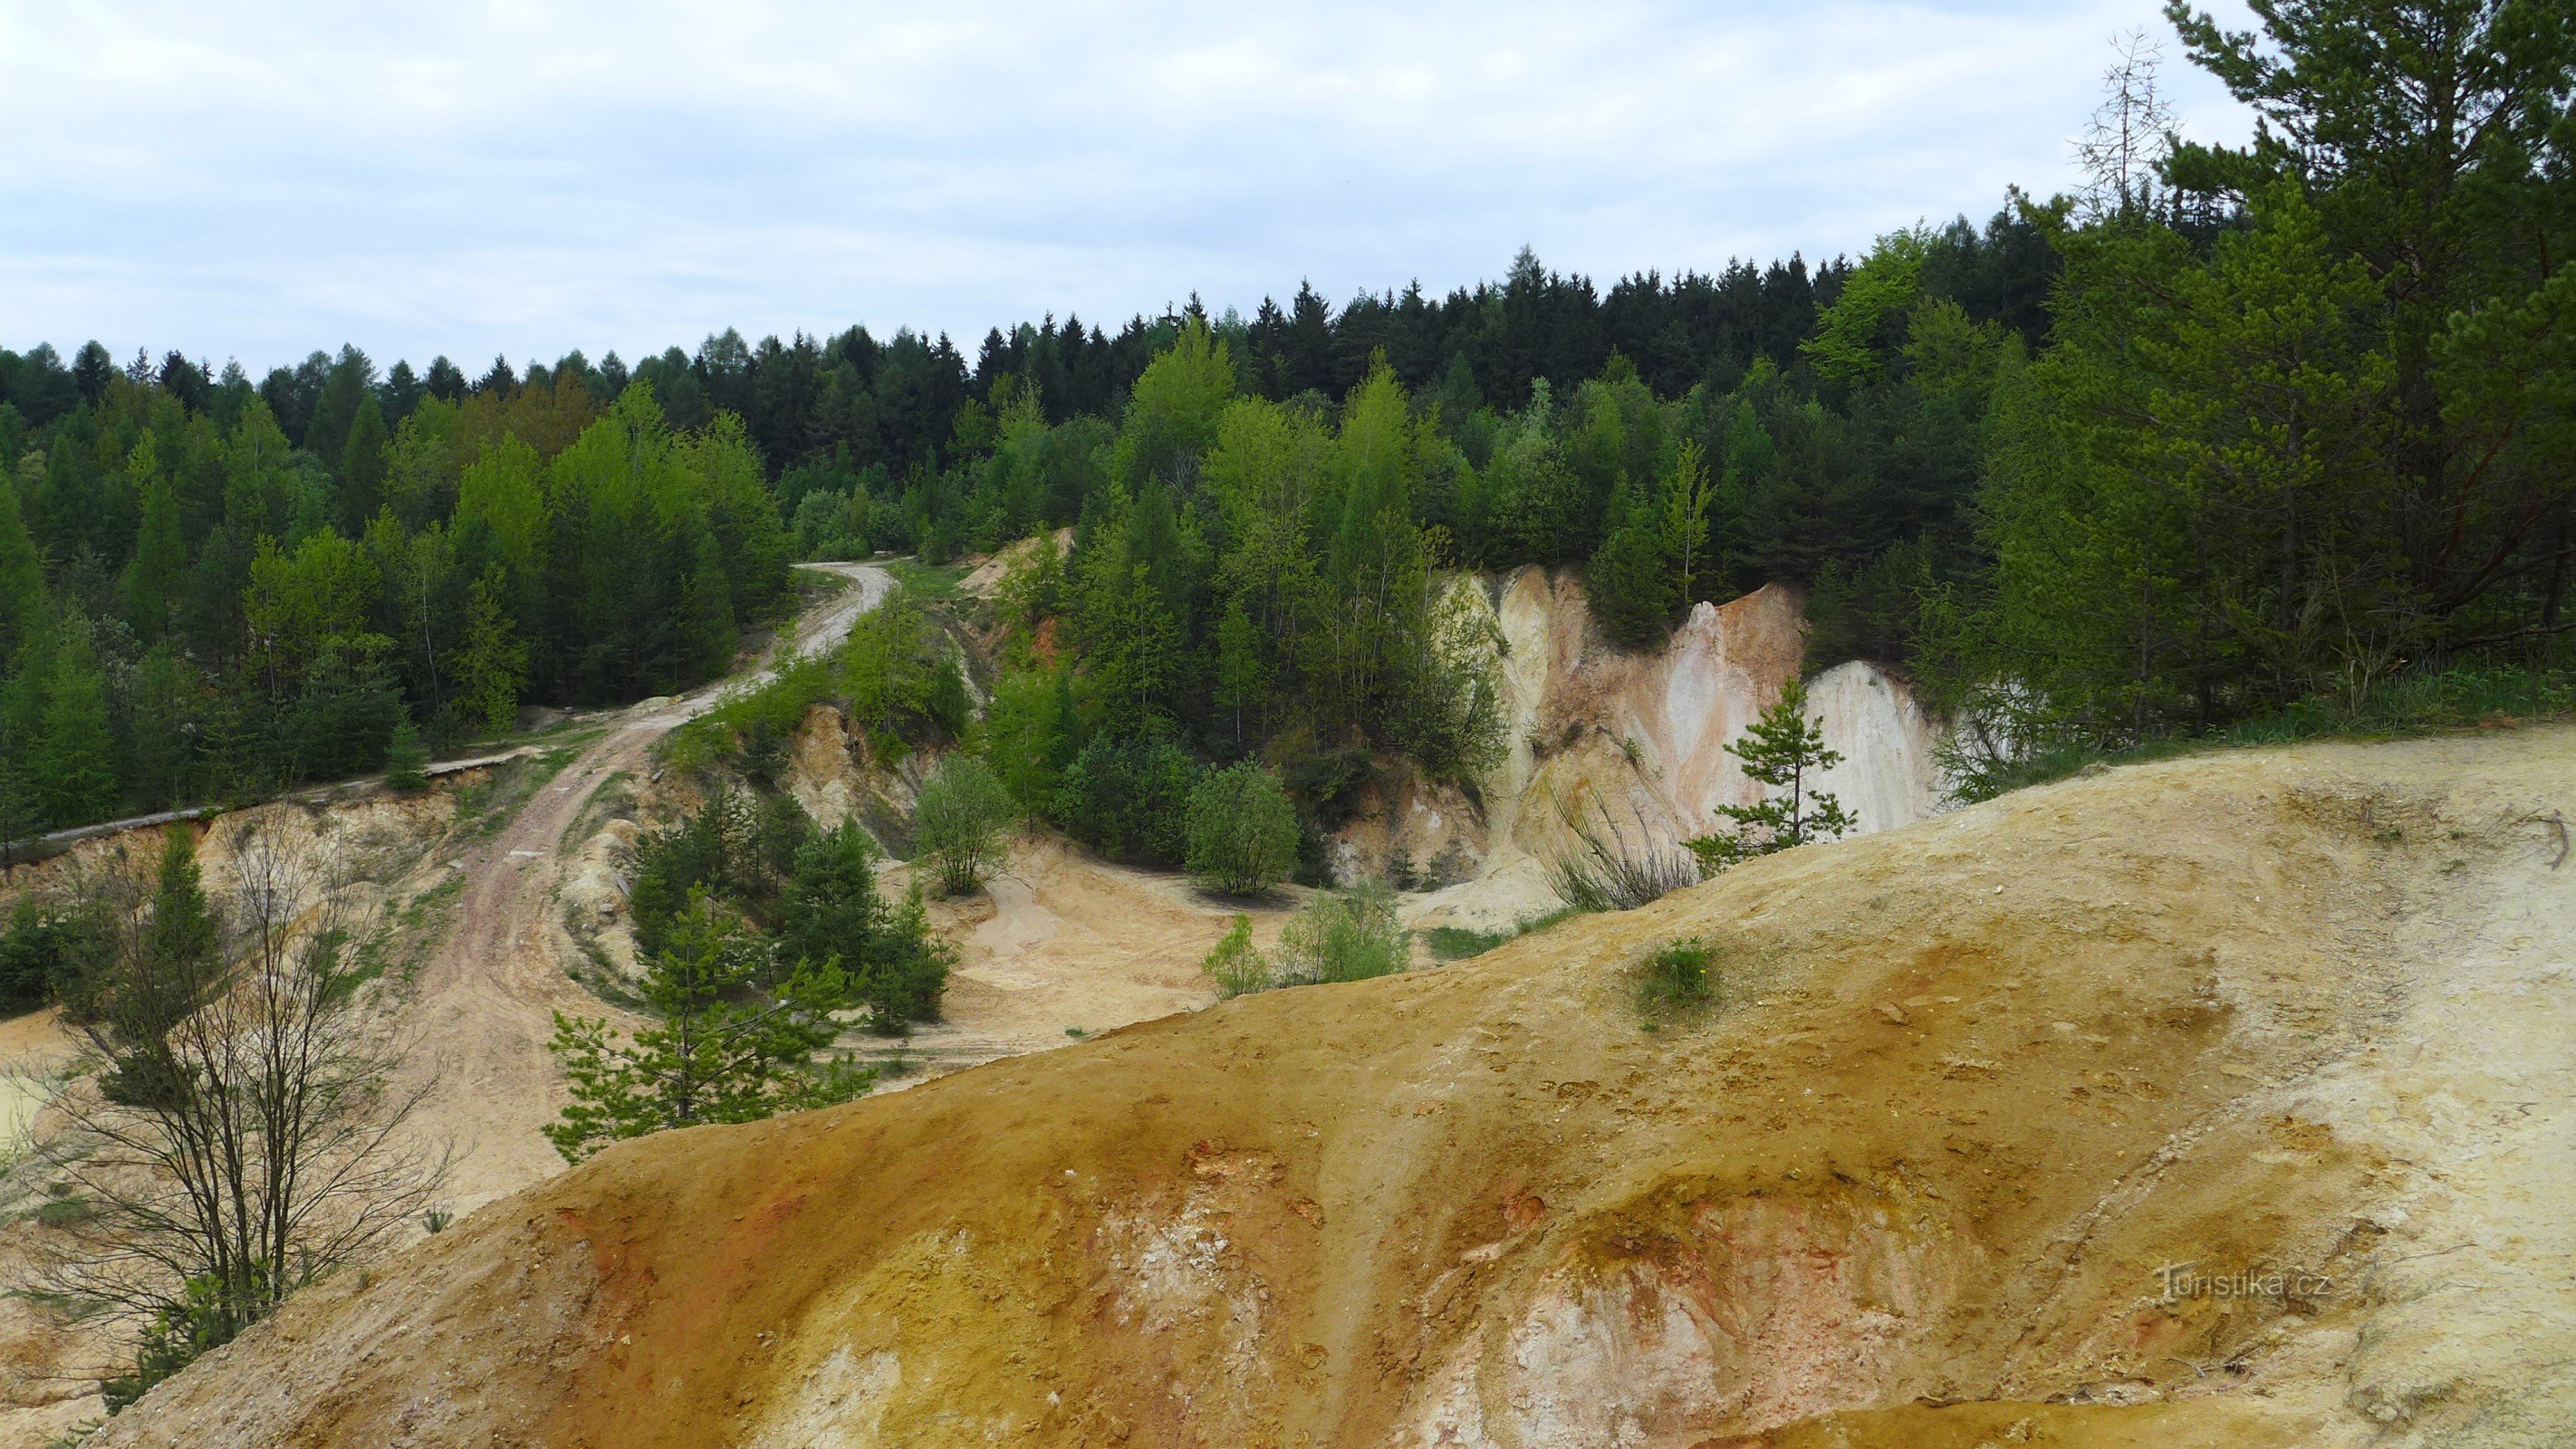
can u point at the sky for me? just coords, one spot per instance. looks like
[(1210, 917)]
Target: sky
[(256, 180)]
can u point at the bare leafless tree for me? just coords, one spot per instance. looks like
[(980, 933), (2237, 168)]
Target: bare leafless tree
[(2131, 134), (244, 1137)]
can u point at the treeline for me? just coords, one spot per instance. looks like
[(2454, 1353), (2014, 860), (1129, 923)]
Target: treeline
[(212, 588), (198, 600), (2233, 429), (2304, 428)]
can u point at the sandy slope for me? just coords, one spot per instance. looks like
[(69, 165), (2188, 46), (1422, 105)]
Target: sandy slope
[(1063, 939), (1972, 1083)]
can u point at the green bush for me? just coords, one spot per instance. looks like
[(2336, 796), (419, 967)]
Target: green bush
[(1243, 832), (1236, 965), (958, 820), (1343, 936)]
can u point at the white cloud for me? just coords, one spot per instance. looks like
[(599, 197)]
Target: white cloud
[(260, 180)]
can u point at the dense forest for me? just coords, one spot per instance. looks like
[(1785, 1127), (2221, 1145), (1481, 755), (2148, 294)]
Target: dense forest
[(2228, 429)]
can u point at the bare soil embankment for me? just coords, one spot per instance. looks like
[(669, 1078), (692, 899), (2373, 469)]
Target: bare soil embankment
[(1969, 1086)]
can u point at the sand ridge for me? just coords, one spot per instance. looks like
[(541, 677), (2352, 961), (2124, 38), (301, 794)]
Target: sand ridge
[(1972, 1084)]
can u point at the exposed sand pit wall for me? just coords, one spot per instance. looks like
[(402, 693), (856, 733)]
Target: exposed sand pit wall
[(1643, 735)]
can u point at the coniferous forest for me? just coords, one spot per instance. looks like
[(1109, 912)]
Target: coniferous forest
[(2228, 430)]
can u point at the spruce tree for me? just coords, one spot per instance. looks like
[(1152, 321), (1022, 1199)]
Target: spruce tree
[(157, 574), (488, 671), (707, 635), (364, 459), (406, 758)]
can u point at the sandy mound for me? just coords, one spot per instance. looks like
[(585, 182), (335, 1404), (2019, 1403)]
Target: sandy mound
[(1971, 1085)]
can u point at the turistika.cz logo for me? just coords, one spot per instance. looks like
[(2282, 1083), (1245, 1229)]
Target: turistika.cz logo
[(2177, 1282)]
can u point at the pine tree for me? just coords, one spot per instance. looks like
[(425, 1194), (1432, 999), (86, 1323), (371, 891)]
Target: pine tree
[(1630, 581), (1780, 751), (364, 458), (164, 727), (707, 635), (722, 1050)]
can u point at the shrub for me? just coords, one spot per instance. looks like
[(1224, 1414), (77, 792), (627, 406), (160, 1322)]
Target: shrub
[(1237, 965), (1344, 936), (1243, 832), (958, 820)]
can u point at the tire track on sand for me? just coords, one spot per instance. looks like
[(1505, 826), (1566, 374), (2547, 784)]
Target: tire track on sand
[(483, 1006)]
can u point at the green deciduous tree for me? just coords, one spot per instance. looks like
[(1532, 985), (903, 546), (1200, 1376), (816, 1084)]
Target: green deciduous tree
[(245, 1135), (1243, 831), (958, 821)]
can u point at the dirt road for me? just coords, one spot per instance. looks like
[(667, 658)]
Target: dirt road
[(484, 1005)]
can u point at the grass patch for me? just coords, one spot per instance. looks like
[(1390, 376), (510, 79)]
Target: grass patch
[(485, 807), (1676, 978), (1457, 943), (611, 799), (926, 581)]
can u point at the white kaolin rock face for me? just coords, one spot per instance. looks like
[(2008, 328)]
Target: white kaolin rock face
[(1647, 733)]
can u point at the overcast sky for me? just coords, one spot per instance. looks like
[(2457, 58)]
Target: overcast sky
[(257, 180)]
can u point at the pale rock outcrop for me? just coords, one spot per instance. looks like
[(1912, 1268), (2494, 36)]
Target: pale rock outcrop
[(1642, 736)]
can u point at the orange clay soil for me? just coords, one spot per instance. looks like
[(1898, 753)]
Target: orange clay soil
[(1908, 1182)]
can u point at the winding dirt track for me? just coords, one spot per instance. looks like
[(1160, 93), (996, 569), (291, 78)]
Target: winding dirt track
[(484, 1005)]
